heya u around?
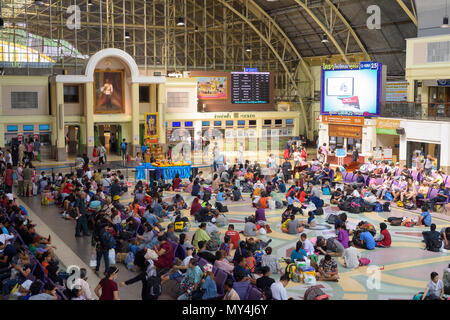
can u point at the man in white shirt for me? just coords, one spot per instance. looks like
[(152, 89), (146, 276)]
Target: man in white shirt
[(351, 256), (278, 288), (82, 284), (307, 245)]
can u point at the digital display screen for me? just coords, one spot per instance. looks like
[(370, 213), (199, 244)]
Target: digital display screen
[(176, 124), (351, 90), (241, 122), (28, 128), (250, 87), (217, 123), (289, 121), (205, 123), (229, 122), (44, 127), (188, 123)]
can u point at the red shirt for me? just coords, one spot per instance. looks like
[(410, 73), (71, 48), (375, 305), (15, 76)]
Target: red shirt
[(234, 237), (176, 183), (108, 288), (166, 260), (66, 188), (386, 242)]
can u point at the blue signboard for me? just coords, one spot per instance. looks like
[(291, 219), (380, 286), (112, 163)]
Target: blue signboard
[(250, 69), (341, 153)]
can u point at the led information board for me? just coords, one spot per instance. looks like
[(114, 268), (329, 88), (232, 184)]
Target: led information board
[(250, 87)]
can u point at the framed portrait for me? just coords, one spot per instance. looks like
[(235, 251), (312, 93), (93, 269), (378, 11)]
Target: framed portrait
[(109, 91), (151, 126), (212, 88)]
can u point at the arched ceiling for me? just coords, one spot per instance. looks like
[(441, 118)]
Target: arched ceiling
[(280, 33)]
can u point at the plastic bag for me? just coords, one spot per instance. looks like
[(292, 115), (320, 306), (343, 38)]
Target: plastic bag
[(112, 256), (310, 280), (93, 261)]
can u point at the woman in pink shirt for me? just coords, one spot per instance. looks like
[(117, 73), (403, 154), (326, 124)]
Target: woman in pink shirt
[(342, 235)]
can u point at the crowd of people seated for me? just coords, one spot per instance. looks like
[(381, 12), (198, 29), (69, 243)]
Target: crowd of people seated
[(236, 265)]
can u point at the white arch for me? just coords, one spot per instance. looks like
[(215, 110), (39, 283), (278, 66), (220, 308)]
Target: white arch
[(110, 53)]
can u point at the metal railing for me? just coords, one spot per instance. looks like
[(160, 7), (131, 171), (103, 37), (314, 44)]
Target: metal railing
[(416, 111)]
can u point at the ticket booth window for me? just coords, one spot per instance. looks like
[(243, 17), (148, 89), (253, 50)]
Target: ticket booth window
[(352, 142)]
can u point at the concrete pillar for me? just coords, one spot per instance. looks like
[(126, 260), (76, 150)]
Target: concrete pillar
[(60, 134), (2, 135), (89, 115), (134, 118), (153, 97), (161, 112), (83, 139)]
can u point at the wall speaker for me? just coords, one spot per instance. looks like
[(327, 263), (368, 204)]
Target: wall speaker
[(400, 131)]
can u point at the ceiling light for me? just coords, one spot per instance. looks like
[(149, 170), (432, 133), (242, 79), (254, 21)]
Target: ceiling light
[(180, 21), (445, 22), (324, 39), (196, 29), (89, 3), (127, 35), (248, 49), (38, 2)]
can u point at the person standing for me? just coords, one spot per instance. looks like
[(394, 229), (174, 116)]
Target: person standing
[(37, 148), (27, 175), (123, 147), (8, 178), (428, 165), (102, 154), (21, 150), (324, 152), (19, 172), (79, 165), (109, 288), (355, 155), (80, 207)]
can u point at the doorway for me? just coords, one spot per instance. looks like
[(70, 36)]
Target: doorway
[(108, 135), (72, 136)]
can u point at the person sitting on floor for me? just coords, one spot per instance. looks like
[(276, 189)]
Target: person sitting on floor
[(330, 246), (351, 256), (384, 239), (432, 239), (367, 240), (328, 270), (435, 288)]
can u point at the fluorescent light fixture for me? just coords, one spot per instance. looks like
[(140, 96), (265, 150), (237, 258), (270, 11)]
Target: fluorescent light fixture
[(445, 22), (248, 49), (127, 35)]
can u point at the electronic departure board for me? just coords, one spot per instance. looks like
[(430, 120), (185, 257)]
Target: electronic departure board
[(250, 87)]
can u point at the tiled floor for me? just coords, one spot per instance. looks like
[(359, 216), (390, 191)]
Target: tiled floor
[(394, 273)]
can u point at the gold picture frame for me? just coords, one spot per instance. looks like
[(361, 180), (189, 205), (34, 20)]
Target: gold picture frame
[(151, 130), (109, 91)]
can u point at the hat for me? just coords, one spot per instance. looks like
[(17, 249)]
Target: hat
[(27, 284), (207, 267), (397, 163), (116, 197), (213, 220), (151, 255), (189, 247)]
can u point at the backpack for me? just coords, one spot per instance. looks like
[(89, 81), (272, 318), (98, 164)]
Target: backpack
[(108, 241), (364, 261), (206, 195), (378, 207), (388, 196), (400, 204), (290, 269), (213, 244), (386, 206), (123, 145), (129, 261), (178, 226), (344, 206), (318, 212), (434, 245), (368, 207), (331, 219), (221, 207), (315, 293), (154, 288), (355, 207), (258, 254)]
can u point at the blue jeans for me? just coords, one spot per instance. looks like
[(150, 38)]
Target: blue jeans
[(105, 256), (8, 284)]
